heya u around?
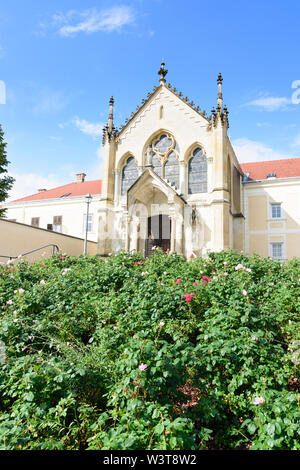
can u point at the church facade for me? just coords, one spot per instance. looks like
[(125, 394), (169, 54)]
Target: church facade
[(171, 178)]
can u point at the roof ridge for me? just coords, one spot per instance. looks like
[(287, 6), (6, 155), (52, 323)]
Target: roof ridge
[(270, 161), (179, 95), (56, 188)]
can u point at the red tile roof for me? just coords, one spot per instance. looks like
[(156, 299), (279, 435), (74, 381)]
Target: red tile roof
[(68, 190), (286, 168)]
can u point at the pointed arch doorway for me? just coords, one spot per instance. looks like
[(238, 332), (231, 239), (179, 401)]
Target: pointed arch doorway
[(159, 233)]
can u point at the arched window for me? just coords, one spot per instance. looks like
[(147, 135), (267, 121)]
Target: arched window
[(157, 165), (129, 175), (172, 170), (197, 168)]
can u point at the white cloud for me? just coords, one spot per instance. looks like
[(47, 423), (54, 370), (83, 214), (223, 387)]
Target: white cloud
[(296, 142), (55, 138), (28, 183), (91, 21), (252, 151), (49, 101), (90, 128), (270, 103), (263, 124), (93, 129)]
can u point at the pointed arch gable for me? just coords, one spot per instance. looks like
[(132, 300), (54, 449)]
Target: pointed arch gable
[(129, 174), (191, 148), (122, 161)]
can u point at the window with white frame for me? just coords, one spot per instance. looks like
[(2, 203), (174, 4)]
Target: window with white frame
[(277, 250), (89, 223), (276, 211), (57, 223)]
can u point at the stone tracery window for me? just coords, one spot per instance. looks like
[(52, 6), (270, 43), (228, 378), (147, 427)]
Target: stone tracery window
[(129, 175), (197, 172), (172, 170), (165, 153), (157, 165), (163, 145)]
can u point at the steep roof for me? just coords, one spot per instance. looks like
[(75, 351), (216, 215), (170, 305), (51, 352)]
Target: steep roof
[(66, 191), (179, 95), (286, 168)]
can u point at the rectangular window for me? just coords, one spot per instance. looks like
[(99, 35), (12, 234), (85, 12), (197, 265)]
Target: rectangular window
[(276, 211), (35, 221), (57, 223), (276, 250), (90, 223)]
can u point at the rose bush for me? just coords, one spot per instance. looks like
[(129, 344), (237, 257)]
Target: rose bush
[(160, 353)]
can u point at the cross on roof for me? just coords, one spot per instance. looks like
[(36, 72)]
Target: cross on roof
[(162, 72)]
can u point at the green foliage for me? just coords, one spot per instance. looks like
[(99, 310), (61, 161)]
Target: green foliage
[(109, 354), (6, 181)]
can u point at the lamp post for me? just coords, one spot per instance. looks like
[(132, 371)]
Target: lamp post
[(88, 199)]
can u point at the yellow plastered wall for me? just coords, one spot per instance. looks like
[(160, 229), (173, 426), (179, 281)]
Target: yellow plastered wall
[(258, 243), (16, 238), (292, 245), (258, 212)]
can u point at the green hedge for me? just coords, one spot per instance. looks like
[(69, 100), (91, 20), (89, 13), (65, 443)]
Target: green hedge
[(128, 353)]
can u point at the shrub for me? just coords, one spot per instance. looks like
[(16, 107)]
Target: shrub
[(159, 353)]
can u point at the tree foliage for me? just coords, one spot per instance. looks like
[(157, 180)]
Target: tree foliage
[(6, 182)]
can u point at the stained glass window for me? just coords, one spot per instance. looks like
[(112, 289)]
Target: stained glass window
[(157, 165), (129, 174), (172, 169), (163, 144), (197, 169)]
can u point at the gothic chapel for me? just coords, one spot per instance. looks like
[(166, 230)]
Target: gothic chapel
[(170, 178)]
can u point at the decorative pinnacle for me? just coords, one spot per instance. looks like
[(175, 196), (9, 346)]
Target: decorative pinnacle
[(220, 97), (111, 114), (162, 72)]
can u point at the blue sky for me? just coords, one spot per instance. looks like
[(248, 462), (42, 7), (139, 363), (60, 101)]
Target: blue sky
[(61, 60)]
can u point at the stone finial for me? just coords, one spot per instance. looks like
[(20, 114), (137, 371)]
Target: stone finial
[(111, 113), (213, 116), (226, 112), (162, 72), (109, 131), (220, 97)]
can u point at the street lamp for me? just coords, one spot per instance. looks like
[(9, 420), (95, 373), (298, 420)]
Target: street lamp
[(88, 199)]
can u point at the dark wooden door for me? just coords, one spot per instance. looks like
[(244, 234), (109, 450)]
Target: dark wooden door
[(159, 233)]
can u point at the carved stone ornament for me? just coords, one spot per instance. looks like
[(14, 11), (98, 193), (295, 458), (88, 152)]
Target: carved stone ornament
[(163, 145)]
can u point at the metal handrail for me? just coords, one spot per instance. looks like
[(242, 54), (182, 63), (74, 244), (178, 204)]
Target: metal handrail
[(54, 251)]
